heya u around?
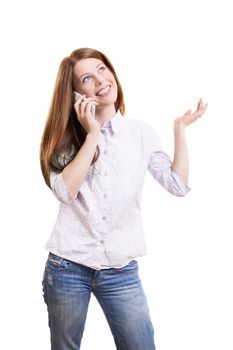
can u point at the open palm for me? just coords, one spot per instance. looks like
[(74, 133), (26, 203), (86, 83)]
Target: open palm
[(189, 117)]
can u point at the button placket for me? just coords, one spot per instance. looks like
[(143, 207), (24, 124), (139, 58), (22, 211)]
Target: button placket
[(104, 209)]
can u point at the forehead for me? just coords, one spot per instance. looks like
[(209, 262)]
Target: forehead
[(86, 65)]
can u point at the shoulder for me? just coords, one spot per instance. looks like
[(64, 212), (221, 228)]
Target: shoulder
[(138, 124), (146, 132)]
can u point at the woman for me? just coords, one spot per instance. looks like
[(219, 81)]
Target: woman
[(95, 166)]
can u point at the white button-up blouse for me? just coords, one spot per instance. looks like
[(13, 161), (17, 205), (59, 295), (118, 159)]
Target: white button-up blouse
[(102, 227)]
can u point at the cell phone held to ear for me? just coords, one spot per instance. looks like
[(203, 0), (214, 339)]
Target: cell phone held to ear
[(76, 95)]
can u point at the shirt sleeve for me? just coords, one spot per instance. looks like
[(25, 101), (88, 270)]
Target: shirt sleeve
[(59, 188), (160, 166)]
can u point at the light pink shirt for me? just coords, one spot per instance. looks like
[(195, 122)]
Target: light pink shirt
[(102, 227)]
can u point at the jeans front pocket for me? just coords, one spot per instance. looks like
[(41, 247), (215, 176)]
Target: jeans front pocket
[(55, 262)]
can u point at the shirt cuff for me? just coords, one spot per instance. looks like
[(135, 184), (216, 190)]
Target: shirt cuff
[(60, 189), (180, 187)]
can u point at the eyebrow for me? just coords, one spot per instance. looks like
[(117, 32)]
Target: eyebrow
[(89, 73)]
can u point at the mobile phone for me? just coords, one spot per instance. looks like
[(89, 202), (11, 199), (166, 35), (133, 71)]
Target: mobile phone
[(76, 95)]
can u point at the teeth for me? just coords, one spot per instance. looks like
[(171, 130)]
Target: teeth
[(103, 91)]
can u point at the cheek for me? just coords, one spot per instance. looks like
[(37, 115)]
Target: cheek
[(115, 86), (87, 89), (112, 79), (109, 76)]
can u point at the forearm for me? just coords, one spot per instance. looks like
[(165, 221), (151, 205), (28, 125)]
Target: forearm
[(74, 173), (180, 161)]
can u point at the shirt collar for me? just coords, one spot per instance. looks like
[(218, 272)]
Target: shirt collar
[(115, 123)]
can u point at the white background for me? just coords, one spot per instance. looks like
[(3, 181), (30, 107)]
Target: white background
[(167, 54)]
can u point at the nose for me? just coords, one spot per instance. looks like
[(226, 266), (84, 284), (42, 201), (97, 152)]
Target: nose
[(99, 80)]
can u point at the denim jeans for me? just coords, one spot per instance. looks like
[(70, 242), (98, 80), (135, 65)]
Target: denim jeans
[(67, 287)]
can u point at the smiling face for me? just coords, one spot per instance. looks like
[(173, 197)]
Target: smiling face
[(93, 78)]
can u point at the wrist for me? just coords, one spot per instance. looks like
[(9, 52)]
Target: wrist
[(93, 135), (179, 126)]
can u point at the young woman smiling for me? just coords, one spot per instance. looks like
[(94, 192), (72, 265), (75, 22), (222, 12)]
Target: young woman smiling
[(95, 167)]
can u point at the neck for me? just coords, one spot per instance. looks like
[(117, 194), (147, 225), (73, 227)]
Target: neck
[(104, 114)]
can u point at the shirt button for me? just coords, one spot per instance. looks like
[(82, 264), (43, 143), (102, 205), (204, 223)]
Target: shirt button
[(105, 173), (105, 196), (103, 131), (104, 218), (105, 152)]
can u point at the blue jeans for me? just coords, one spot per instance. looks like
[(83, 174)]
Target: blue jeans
[(67, 288)]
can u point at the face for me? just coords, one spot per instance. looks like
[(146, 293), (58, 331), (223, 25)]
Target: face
[(93, 78)]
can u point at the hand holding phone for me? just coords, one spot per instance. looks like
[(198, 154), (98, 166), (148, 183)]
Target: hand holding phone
[(85, 110), (77, 95)]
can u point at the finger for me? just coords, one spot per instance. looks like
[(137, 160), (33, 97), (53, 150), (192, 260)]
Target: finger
[(83, 106), (88, 110), (89, 105), (200, 107), (202, 104), (84, 98), (201, 101), (81, 102), (86, 104), (76, 96), (78, 102), (91, 99), (81, 98), (198, 114), (202, 111)]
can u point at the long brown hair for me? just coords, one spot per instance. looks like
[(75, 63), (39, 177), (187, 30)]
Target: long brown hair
[(63, 134)]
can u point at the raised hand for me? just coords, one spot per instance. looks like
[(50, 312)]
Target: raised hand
[(189, 117), (82, 107)]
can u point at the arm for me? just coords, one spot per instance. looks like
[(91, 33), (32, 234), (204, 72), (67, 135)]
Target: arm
[(74, 173), (180, 161), (180, 164), (173, 176)]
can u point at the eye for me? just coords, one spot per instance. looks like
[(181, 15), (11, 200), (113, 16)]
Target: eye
[(102, 68), (84, 80)]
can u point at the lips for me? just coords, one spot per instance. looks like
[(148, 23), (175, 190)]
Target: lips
[(104, 91)]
